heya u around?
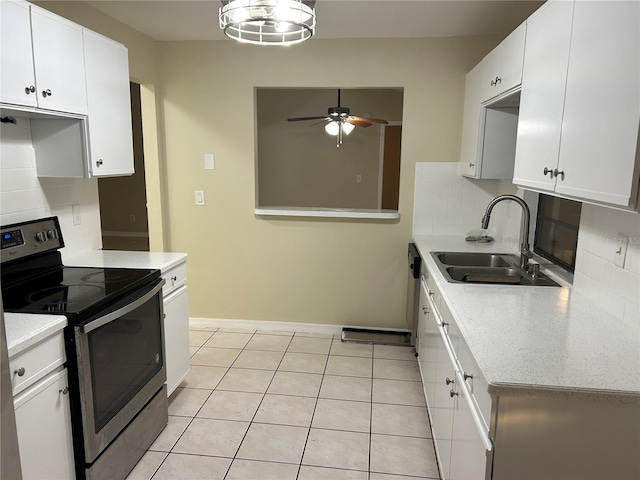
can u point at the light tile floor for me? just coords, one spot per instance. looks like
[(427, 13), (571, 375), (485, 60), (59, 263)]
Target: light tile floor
[(283, 406)]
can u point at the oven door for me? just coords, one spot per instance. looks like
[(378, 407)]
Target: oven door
[(120, 365)]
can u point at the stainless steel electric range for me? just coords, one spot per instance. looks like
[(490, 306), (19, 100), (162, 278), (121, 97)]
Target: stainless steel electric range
[(114, 344)]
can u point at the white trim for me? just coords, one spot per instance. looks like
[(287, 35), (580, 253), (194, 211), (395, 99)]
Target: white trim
[(327, 212), (266, 325), (125, 234)]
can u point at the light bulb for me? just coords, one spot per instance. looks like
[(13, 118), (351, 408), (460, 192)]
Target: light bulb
[(347, 127), (332, 128), (282, 26)]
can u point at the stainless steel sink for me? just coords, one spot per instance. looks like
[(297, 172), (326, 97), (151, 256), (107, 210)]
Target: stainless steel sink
[(472, 259), (486, 268)]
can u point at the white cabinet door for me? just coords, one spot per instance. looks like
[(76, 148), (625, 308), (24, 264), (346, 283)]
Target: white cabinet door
[(59, 62), (542, 96), (468, 453), (503, 65), (109, 106), (427, 348), (17, 80), (43, 422), (471, 121), (598, 149), (176, 334)]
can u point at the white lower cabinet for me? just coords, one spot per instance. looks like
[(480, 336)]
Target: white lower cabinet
[(521, 432), (176, 334), (43, 422)]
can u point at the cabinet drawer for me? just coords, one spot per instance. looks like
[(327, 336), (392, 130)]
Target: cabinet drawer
[(36, 362), (174, 278)]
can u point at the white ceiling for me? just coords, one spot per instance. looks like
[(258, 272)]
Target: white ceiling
[(198, 20)]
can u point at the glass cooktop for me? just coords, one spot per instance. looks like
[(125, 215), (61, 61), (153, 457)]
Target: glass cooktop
[(74, 290)]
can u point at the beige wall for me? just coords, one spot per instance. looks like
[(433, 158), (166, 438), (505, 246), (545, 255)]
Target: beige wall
[(299, 164), (283, 269), (245, 267)]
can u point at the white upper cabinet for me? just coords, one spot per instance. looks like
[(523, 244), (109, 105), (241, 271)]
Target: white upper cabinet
[(58, 60), (503, 65), (109, 103), (542, 95), (17, 80), (42, 61), (599, 142), (473, 92), (491, 111), (580, 111)]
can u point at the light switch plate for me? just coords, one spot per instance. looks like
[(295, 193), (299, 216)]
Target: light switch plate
[(620, 249), (199, 197), (209, 161)]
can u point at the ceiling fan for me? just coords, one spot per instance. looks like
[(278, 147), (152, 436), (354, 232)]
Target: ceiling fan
[(340, 121)]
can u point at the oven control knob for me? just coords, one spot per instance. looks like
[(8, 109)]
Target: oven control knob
[(51, 234), (41, 236)]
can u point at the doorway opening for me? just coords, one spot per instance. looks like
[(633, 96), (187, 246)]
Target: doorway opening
[(123, 200)]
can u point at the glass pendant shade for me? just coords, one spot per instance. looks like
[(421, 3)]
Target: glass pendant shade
[(347, 128), (332, 128), (268, 22)]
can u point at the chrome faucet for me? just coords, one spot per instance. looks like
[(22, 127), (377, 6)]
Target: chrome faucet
[(525, 253)]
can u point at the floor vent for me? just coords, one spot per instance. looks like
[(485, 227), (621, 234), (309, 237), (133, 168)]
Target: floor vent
[(378, 337)]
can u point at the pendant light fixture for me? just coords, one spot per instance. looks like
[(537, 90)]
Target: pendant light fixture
[(268, 22)]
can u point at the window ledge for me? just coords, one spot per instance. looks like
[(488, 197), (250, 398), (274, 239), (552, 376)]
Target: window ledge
[(328, 212)]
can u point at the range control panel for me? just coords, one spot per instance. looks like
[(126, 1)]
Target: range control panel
[(29, 238)]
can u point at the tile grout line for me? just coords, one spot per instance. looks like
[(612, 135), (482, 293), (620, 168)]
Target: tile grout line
[(259, 404), (188, 424), (313, 414)]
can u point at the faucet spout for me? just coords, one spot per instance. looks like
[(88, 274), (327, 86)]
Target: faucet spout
[(525, 253)]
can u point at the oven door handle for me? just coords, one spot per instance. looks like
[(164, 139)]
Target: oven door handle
[(99, 322)]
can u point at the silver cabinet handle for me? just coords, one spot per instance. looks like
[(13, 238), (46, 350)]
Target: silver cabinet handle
[(496, 81), (425, 310), (471, 165), (452, 393), (449, 381), (64, 390), (548, 171), (467, 375), (99, 163), (558, 173), (445, 324), (174, 278), (46, 93), (29, 89), (19, 371)]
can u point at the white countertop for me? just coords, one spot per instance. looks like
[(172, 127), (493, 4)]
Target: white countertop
[(25, 329), (547, 338), (125, 259)]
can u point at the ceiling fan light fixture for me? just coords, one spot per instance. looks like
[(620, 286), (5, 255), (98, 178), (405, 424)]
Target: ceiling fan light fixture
[(268, 22), (347, 127), (332, 128)]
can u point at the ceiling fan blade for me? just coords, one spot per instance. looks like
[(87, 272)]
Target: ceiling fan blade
[(318, 123), (359, 122), (371, 120), (299, 119)]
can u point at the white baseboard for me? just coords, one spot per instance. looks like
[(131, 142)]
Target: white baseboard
[(266, 325)]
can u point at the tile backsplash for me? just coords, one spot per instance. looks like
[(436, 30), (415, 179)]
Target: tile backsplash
[(615, 289), (24, 196), (447, 203)]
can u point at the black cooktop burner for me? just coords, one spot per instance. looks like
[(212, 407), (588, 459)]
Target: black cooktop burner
[(74, 291)]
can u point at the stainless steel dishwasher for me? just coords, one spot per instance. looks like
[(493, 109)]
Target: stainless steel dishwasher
[(413, 290)]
